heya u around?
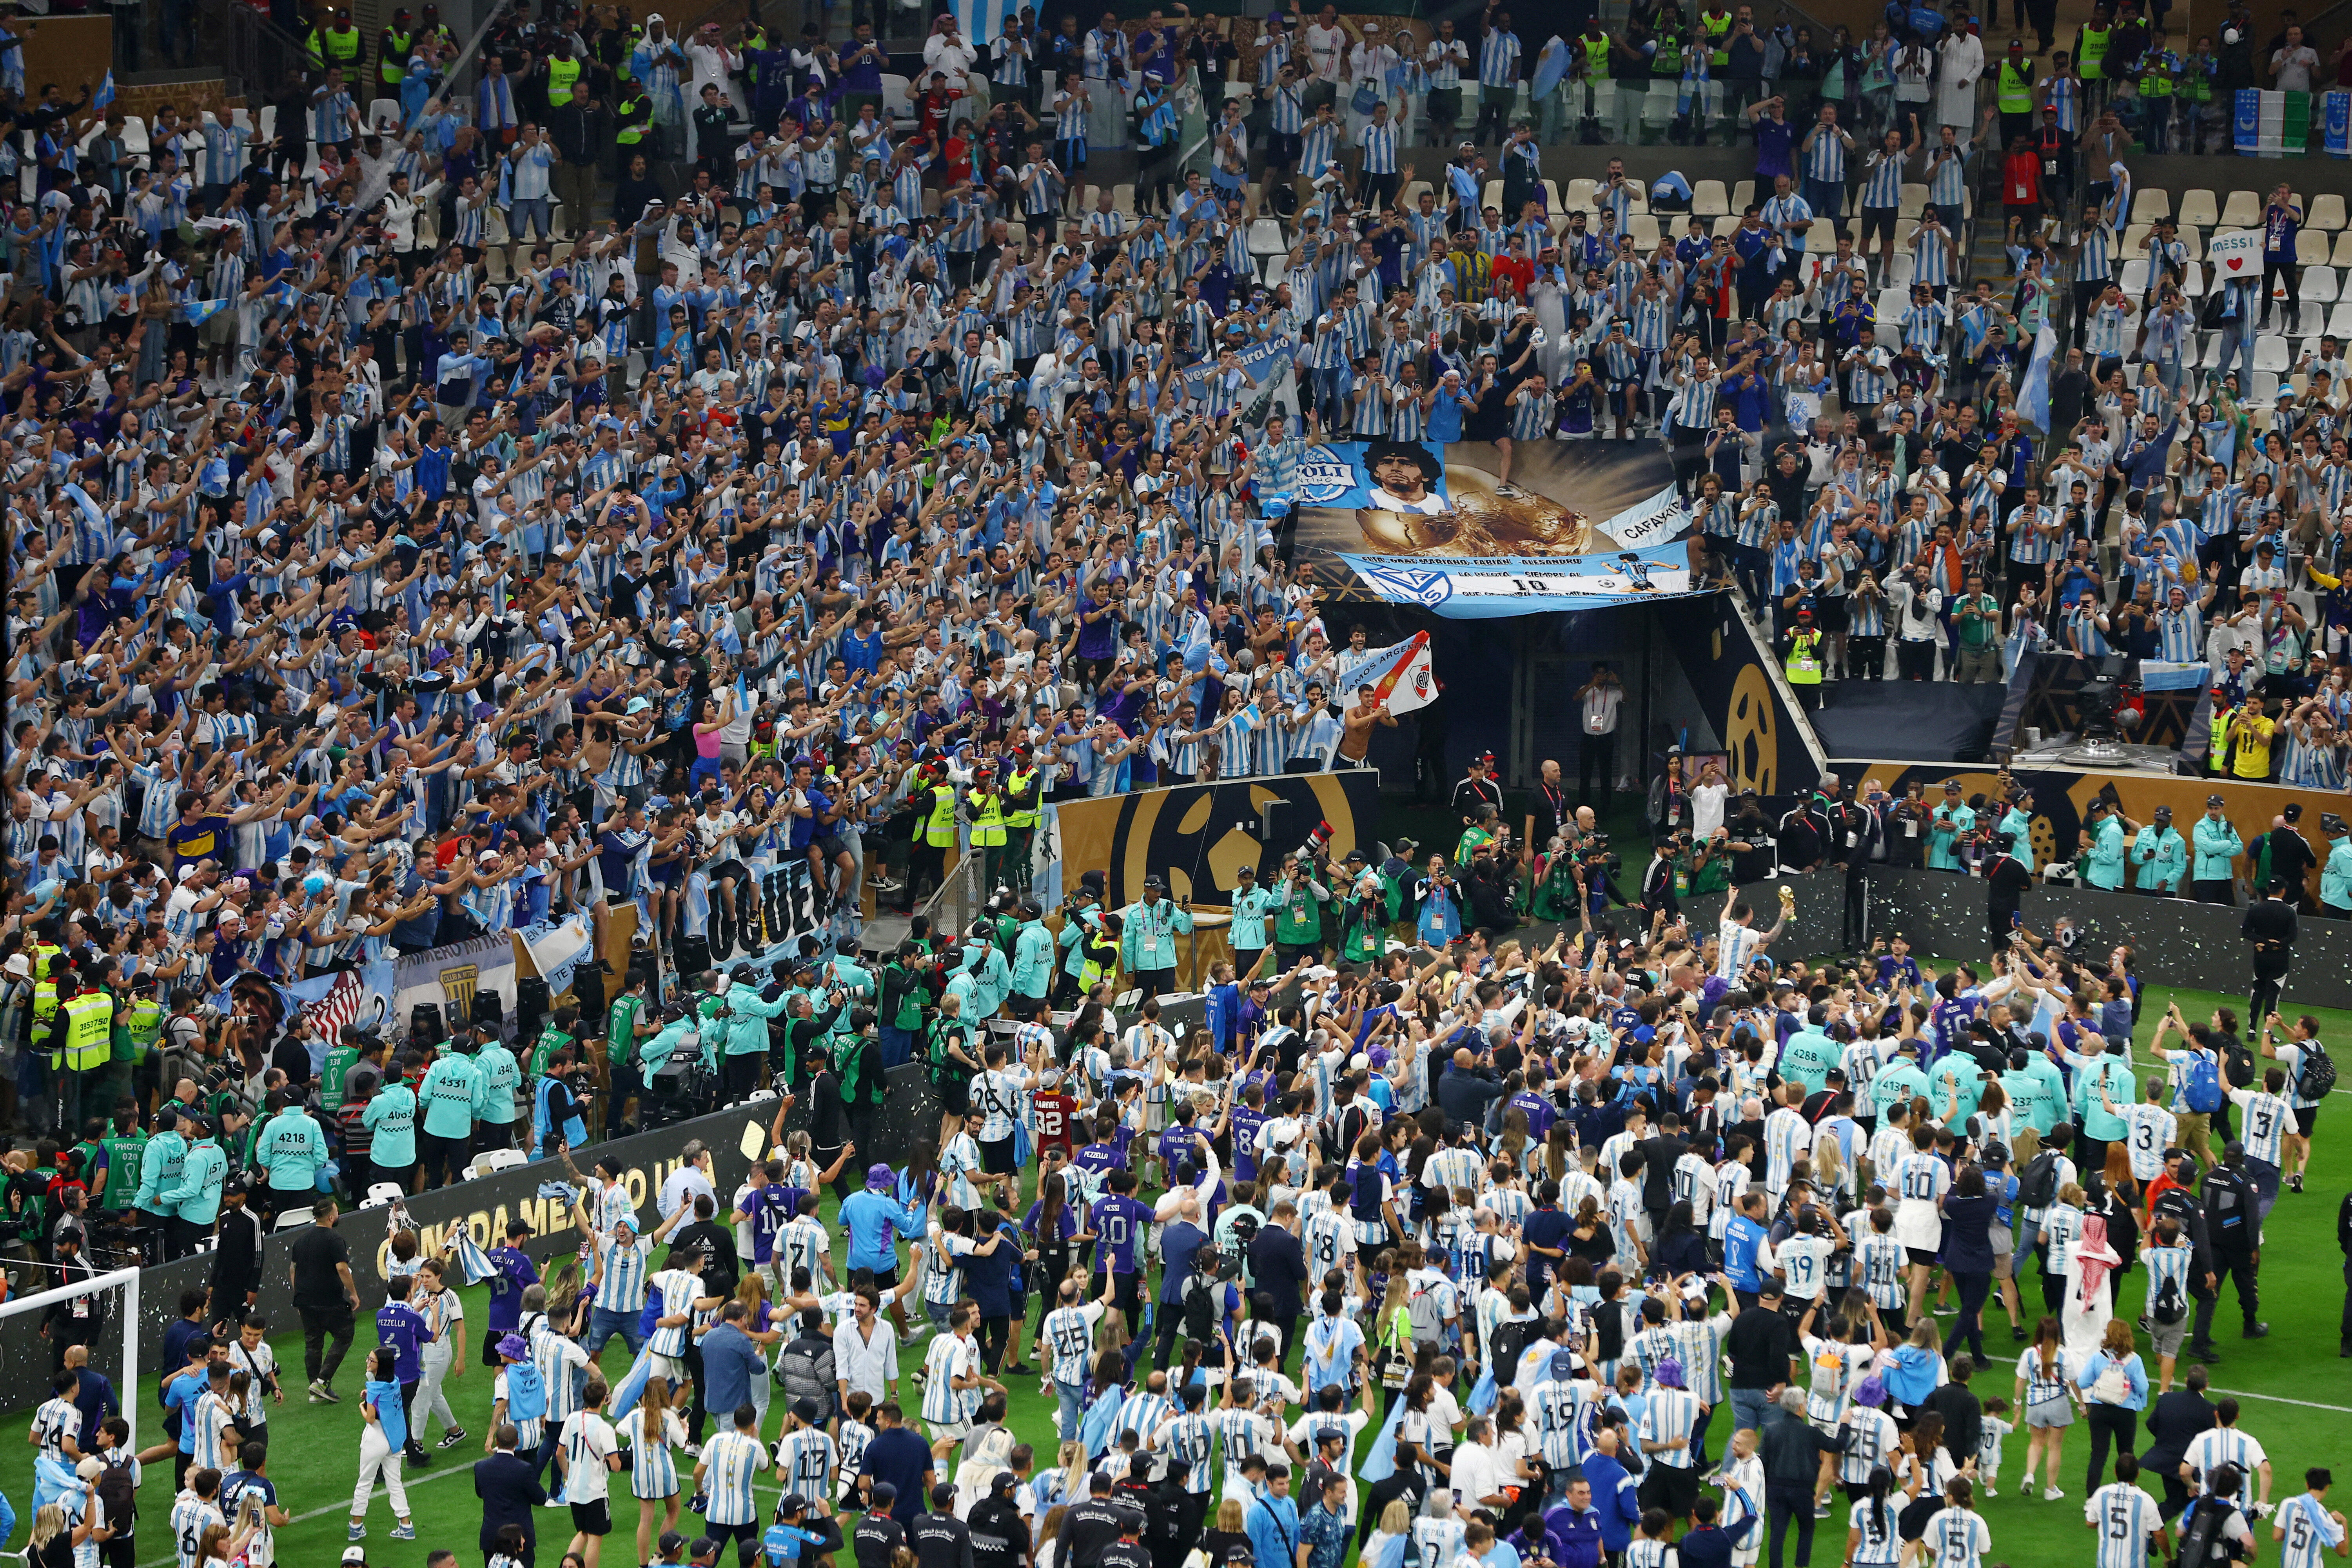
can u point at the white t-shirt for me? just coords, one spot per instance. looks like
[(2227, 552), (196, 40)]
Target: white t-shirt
[(1601, 706), (587, 1442), (1477, 1473)]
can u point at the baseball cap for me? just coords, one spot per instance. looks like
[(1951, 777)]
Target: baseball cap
[(354, 1554)]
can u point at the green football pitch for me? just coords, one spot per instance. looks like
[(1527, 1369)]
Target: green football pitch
[(2296, 1394)]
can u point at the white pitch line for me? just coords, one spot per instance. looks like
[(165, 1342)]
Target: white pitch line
[(343, 1507)]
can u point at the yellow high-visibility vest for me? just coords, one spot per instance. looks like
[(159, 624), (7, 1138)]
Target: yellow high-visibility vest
[(1018, 784), (561, 75), (90, 1031), (1804, 665), (392, 69), (987, 819), (940, 831)]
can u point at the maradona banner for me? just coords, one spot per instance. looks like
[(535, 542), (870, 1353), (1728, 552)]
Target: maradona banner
[(1463, 531)]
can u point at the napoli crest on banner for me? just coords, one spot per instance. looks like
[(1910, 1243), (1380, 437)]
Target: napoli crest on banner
[(1325, 476)]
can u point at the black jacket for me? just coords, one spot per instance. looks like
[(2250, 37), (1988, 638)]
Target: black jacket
[(941, 1540), (1792, 1446), (1279, 1265), (2172, 1421), (877, 1539), (508, 1488), (1963, 1416), (1000, 1536), (236, 1258), (1093, 1526), (2270, 926)]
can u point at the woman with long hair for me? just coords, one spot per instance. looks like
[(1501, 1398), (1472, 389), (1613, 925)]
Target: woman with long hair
[(1391, 1341), (1049, 1536), (1925, 1466), (1418, 1439), (2114, 1391), (1956, 1536), (381, 1440), (759, 1325), (653, 1430), (2047, 1396), (1056, 1228), (1874, 1537)]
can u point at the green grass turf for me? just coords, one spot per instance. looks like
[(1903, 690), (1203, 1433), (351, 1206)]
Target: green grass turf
[(2298, 1395)]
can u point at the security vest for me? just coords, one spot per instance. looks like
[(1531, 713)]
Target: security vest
[(1596, 58), (561, 75), (2156, 69), (2094, 52), (393, 68), (44, 1013), (2216, 756), (1668, 60), (2015, 93), (1017, 786), (987, 819), (939, 829), (633, 103), (1717, 30), (753, 41), (2197, 78), (628, 54), (44, 959), (1804, 665), (144, 1024), (88, 1030), (342, 46)]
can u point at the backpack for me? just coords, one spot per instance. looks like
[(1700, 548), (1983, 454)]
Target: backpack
[(2169, 1308), (2200, 1084), (1200, 1308), (2316, 1075), (2037, 1185), (2202, 1541), (1428, 1317), (1508, 1342)]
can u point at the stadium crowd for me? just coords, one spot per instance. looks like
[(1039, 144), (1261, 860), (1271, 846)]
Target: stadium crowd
[(386, 572)]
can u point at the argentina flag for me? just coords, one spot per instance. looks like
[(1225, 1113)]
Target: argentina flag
[(981, 21), (2033, 391)]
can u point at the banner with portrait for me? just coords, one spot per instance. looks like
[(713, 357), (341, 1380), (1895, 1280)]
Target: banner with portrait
[(1574, 526)]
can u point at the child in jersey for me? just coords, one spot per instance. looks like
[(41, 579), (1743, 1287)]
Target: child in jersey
[(1993, 1427)]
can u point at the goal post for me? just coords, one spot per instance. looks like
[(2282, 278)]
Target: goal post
[(31, 1359)]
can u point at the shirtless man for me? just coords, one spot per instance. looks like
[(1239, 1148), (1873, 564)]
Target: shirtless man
[(1356, 728)]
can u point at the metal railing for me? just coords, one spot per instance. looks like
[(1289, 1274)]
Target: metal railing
[(255, 54), (959, 898)]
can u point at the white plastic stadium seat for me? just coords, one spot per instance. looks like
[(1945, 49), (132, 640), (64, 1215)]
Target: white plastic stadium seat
[(2197, 210), (2326, 212), (2310, 247), (292, 1219), (2242, 210), (2320, 283), (2148, 205), (1710, 199), (382, 1193)]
